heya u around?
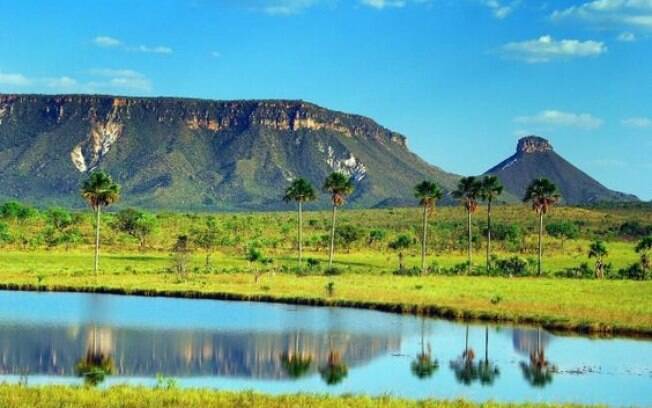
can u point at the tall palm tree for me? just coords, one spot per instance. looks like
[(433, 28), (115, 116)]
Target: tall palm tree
[(490, 189), (339, 186), (99, 191), (468, 191), (301, 191), (427, 193), (543, 195)]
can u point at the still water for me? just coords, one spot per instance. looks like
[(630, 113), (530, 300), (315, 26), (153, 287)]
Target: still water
[(105, 340)]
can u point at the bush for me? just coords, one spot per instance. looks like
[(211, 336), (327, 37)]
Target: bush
[(414, 271), (5, 236), (584, 271), (332, 271), (635, 272), (312, 263), (514, 266), (634, 229)]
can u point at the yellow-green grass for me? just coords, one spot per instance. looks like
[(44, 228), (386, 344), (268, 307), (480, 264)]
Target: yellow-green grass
[(14, 396), (605, 306)]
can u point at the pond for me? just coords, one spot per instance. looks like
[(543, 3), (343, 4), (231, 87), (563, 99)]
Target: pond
[(48, 338)]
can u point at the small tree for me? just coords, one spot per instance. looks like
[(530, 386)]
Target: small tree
[(15, 211), (136, 224), (376, 236), (598, 250), (181, 256), (207, 238), (563, 231), (347, 235), (644, 248), (401, 243)]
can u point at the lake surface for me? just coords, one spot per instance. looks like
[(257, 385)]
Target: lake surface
[(106, 339)]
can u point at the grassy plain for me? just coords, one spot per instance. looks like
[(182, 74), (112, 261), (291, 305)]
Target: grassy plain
[(136, 397), (367, 278)]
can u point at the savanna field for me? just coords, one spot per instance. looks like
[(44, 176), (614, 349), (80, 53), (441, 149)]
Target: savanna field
[(254, 256)]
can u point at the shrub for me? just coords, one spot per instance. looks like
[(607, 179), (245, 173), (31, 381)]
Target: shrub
[(634, 229), (635, 272), (514, 266), (312, 263), (332, 271), (414, 271), (583, 271)]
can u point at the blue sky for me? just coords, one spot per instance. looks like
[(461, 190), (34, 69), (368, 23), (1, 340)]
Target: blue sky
[(463, 79)]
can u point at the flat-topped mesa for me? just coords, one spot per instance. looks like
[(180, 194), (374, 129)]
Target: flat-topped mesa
[(533, 144), (211, 115)]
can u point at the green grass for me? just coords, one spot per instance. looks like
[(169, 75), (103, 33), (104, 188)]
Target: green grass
[(591, 305), (12, 396), (610, 306)]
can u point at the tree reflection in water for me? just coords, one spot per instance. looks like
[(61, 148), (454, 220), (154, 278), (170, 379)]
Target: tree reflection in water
[(538, 372), (487, 370), (296, 362), (423, 366), (97, 363), (464, 366), (335, 370)]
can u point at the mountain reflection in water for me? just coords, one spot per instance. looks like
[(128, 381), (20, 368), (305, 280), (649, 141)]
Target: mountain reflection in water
[(140, 352)]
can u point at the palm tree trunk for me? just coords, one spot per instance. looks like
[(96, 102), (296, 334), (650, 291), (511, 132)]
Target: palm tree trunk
[(470, 241), (423, 241), (97, 239), (540, 242), (332, 248), (300, 234), (488, 236)]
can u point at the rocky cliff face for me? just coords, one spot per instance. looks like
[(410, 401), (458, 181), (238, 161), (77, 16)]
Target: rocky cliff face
[(187, 153), (535, 157)]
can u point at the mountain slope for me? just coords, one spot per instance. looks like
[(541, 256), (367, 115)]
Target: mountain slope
[(535, 158), (197, 154)]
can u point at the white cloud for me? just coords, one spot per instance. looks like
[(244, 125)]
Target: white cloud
[(120, 79), (499, 9), (545, 49), (561, 119), (382, 4), (215, 54), (637, 122), (64, 82), (153, 50), (106, 41), (627, 37), (635, 13), (110, 42), (13, 79), (286, 7)]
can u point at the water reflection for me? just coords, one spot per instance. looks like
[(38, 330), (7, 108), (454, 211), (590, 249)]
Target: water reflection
[(423, 366), (537, 371), (97, 362), (47, 350), (56, 338), (467, 371), (296, 361)]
